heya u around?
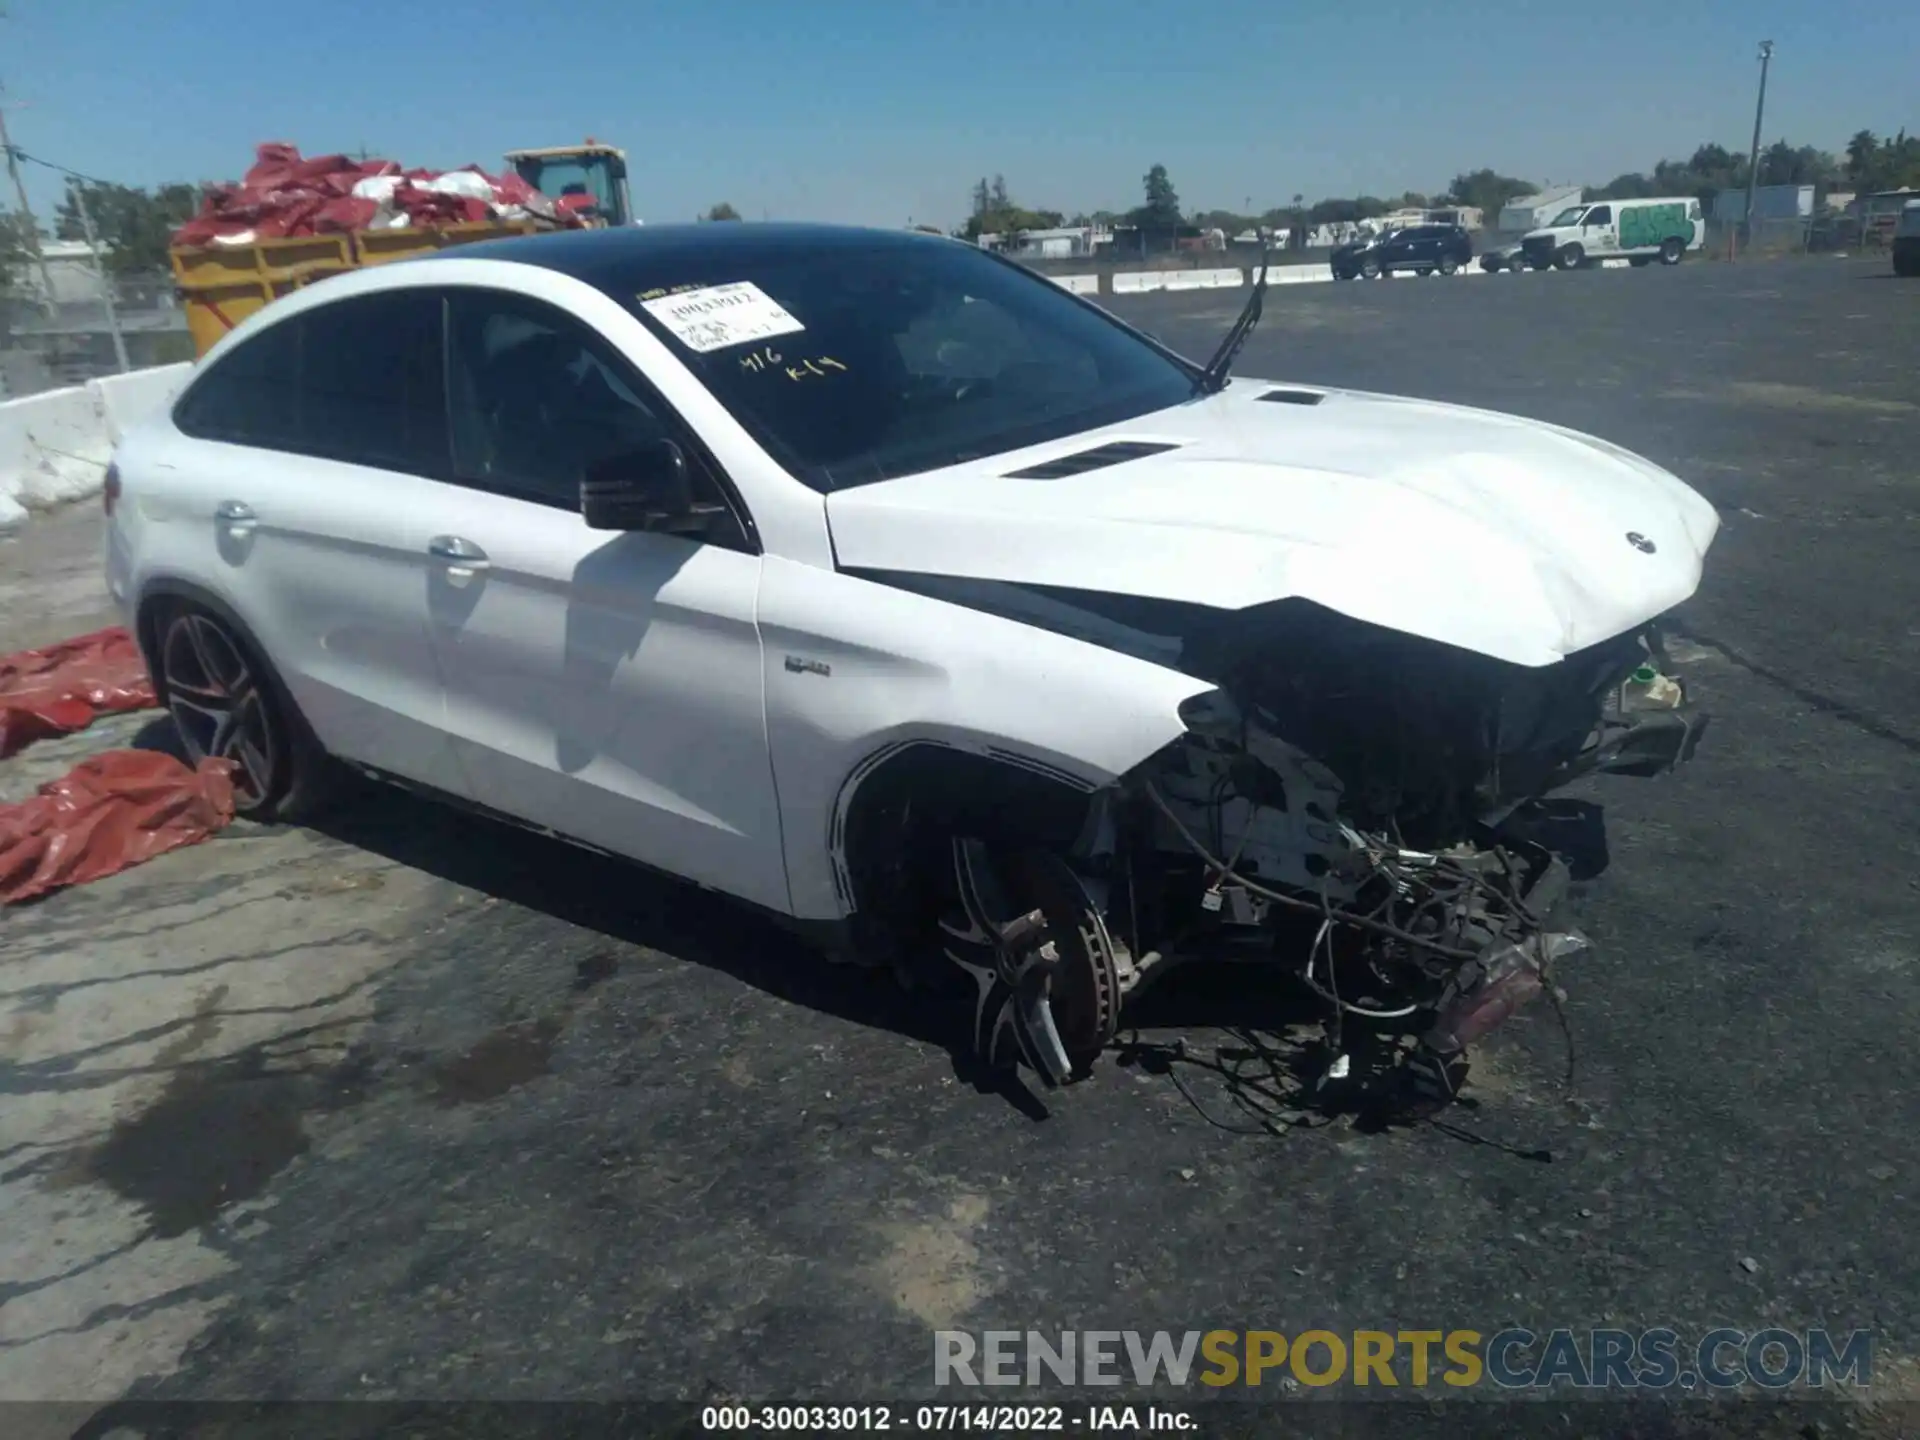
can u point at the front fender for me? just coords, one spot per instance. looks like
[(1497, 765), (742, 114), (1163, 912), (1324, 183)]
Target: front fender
[(856, 669)]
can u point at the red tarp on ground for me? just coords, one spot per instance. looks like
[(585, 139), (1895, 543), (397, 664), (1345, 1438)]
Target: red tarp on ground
[(64, 687), (286, 194), (107, 814)]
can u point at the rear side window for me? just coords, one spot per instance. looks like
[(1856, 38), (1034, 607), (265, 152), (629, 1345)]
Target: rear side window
[(360, 380), (252, 397)]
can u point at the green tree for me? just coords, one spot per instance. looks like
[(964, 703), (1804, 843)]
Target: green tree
[(1784, 164), (995, 213), (1631, 186), (1890, 164), (1487, 191), (1162, 210), (14, 254), (133, 224), (723, 211), (1862, 150)]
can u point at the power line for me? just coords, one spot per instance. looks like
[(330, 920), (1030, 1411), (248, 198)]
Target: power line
[(18, 154)]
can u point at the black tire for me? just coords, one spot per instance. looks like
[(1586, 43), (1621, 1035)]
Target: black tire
[(1343, 275), (1518, 265), (1571, 257), (1370, 269), (226, 700), (1671, 249), (1448, 265)]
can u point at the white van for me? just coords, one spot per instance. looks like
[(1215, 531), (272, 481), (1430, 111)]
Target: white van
[(1642, 231)]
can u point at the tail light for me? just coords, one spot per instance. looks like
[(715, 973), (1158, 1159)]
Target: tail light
[(110, 491)]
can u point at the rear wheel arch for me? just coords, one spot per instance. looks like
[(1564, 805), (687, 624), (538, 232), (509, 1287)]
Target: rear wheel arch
[(308, 775), (162, 597)]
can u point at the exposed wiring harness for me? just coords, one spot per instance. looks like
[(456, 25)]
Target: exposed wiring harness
[(1225, 871)]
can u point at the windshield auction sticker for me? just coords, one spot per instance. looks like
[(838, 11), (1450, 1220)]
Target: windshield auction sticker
[(716, 316)]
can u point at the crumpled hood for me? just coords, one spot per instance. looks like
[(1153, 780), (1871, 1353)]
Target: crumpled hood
[(1505, 536)]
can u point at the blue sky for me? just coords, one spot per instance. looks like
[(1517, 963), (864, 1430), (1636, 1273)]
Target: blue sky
[(884, 110)]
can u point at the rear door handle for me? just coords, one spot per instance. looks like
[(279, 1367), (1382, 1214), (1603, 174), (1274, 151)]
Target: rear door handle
[(460, 555)]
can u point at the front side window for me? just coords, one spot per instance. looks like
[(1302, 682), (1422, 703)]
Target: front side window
[(896, 357), (536, 398), (357, 380), (1567, 217)]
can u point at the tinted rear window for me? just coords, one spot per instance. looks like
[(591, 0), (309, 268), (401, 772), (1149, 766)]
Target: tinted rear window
[(359, 380)]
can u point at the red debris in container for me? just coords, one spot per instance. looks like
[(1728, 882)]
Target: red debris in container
[(288, 194), (108, 814), (65, 687)]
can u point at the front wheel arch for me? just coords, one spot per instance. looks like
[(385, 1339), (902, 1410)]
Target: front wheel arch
[(896, 820)]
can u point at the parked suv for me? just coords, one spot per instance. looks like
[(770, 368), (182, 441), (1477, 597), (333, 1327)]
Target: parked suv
[(1906, 241), (1420, 248)]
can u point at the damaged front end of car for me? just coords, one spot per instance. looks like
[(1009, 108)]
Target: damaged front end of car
[(1366, 810)]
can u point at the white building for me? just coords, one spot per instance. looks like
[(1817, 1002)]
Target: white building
[(70, 268), (1049, 244), (1530, 212)]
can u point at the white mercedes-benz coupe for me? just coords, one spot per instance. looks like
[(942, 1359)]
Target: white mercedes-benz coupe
[(882, 584)]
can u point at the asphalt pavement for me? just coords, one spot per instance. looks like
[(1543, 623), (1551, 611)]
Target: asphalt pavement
[(416, 1107)]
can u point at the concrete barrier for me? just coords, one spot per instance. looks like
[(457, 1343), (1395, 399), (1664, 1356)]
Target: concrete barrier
[(1077, 284), (54, 447)]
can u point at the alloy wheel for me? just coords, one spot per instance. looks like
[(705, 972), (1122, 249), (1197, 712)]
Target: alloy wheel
[(218, 705)]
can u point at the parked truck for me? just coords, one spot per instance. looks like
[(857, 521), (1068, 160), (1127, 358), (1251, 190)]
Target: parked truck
[(222, 282), (1641, 231)]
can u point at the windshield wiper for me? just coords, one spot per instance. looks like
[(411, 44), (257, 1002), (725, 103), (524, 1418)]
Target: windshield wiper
[(1213, 379)]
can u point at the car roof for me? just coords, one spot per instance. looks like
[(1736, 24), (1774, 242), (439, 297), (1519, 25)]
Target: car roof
[(622, 254)]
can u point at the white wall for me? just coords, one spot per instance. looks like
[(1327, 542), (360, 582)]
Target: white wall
[(54, 447)]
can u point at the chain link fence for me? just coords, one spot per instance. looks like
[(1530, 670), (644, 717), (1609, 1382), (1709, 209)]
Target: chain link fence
[(67, 339)]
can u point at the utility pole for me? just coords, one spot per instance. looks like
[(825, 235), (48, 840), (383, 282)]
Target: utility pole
[(32, 236), (1753, 154), (79, 190)]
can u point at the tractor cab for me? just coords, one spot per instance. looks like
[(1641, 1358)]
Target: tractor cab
[(590, 179)]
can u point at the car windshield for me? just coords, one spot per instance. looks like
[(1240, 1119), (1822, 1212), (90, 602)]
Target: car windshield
[(854, 365), (1567, 217)]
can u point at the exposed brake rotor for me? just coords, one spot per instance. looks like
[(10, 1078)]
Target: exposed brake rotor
[(1046, 987)]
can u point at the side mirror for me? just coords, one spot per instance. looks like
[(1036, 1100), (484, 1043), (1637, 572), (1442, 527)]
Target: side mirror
[(644, 489)]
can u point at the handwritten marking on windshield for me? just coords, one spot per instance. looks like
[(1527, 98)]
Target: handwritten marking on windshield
[(768, 358)]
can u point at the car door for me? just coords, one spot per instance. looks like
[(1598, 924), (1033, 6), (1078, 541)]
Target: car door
[(1598, 232), (330, 443), (604, 685)]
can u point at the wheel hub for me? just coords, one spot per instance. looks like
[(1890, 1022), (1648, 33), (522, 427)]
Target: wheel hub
[(1046, 990)]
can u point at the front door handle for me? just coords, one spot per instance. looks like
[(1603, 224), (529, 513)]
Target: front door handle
[(462, 556), (234, 512)]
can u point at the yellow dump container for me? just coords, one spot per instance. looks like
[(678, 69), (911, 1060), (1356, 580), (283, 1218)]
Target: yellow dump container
[(377, 247), (221, 285)]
